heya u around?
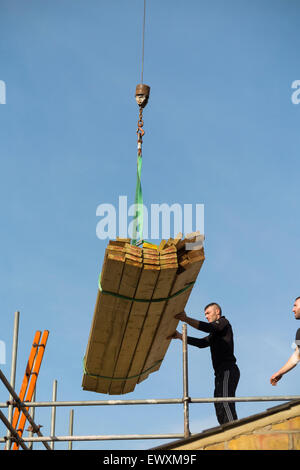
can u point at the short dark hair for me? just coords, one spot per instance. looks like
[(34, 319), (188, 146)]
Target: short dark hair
[(214, 304), (297, 298)]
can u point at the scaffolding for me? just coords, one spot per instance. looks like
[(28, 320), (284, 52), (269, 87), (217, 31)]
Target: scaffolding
[(26, 443)]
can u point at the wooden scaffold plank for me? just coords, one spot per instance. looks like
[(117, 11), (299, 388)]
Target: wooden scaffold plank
[(134, 326), (103, 319), (142, 289), (168, 323), (165, 282)]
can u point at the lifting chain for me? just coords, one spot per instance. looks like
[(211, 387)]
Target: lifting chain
[(141, 95), (140, 131)]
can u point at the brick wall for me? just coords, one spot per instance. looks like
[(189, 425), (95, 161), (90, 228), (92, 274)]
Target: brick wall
[(280, 436), (269, 431)]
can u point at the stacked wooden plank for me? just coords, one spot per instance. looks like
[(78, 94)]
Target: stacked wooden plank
[(141, 289)]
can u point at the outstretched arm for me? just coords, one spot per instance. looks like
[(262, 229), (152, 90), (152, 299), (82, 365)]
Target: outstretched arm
[(199, 342), (190, 321), (175, 335), (213, 327), (289, 365)]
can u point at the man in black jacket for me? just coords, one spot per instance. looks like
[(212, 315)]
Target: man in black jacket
[(220, 341)]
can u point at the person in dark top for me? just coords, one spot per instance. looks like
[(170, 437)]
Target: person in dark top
[(220, 341), (295, 357)]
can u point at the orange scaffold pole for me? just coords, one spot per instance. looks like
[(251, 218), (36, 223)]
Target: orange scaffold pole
[(30, 379), (27, 374)]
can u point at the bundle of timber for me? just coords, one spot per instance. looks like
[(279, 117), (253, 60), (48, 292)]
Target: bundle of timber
[(140, 291)]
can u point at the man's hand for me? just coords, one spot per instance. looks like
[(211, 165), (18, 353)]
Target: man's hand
[(175, 335), (291, 363), (181, 316), (275, 378)]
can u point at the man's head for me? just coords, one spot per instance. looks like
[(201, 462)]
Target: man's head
[(212, 312), (296, 308)]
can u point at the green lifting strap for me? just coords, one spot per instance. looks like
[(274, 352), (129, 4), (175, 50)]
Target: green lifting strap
[(132, 299), (119, 378), (138, 219)]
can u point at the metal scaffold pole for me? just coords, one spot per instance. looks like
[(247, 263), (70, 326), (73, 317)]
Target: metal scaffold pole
[(53, 412), (32, 414), (26, 405), (12, 433), (19, 403), (153, 401), (71, 424), (186, 398), (13, 371)]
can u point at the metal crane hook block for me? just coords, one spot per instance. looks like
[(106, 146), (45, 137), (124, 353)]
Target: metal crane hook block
[(142, 93)]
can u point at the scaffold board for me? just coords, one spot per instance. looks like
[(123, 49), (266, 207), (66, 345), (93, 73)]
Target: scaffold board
[(140, 291)]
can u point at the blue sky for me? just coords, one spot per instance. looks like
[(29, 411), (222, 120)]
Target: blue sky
[(221, 130)]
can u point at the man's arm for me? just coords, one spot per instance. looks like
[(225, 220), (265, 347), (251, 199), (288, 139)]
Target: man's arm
[(190, 321), (213, 327), (199, 342), (175, 335), (289, 365)]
